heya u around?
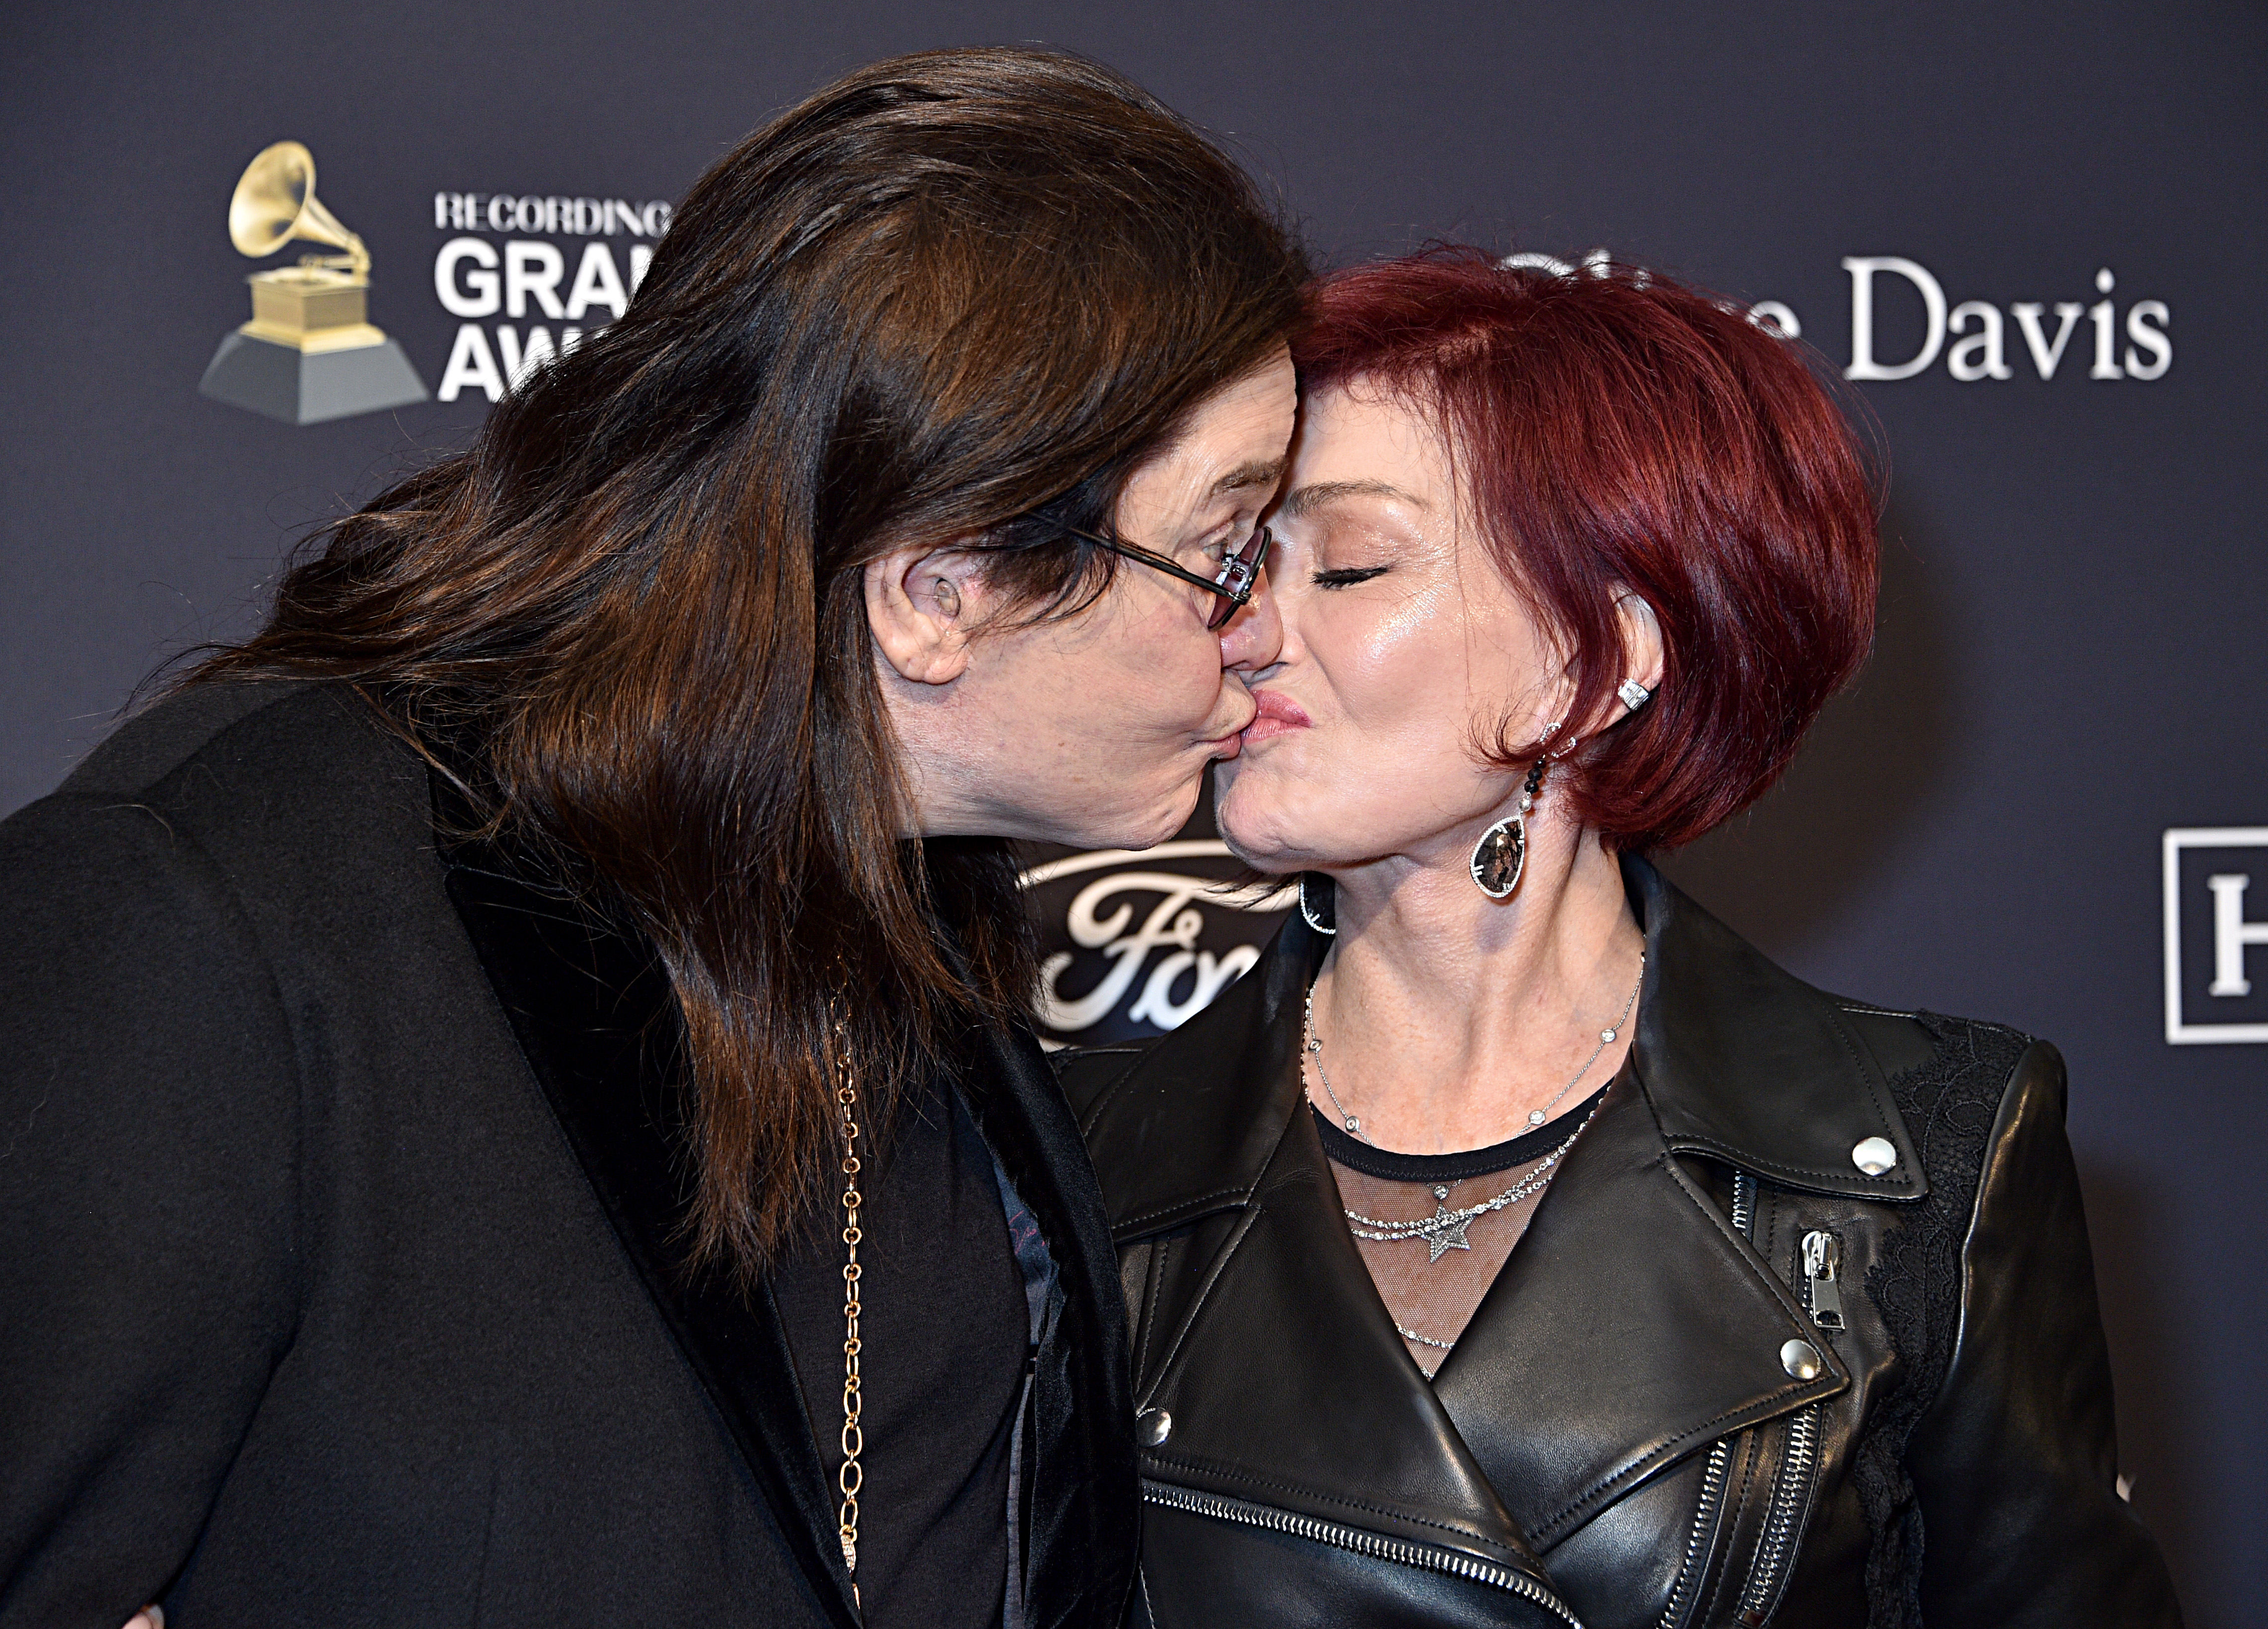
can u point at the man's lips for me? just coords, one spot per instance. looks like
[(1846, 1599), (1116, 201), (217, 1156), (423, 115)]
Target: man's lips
[(1278, 714), (1229, 742)]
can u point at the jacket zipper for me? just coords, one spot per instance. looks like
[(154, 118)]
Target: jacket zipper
[(1821, 1256), (1721, 1456), (1823, 1259), (1777, 1545), (1696, 1544), (1434, 1558)]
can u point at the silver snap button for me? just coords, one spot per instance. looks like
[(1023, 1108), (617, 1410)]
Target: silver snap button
[(1154, 1427), (1801, 1359), (1874, 1155)]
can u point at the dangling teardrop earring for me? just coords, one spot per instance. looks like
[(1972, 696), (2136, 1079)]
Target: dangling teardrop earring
[(1501, 854), (1322, 918)]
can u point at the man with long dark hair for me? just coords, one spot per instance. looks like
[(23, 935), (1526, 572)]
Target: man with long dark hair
[(516, 1103)]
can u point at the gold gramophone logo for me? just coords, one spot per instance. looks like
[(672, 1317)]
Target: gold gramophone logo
[(309, 352)]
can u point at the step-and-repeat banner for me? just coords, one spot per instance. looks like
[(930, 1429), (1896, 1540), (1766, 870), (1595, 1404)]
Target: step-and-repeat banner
[(2031, 240)]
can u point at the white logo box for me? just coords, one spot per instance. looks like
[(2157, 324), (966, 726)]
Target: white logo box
[(2238, 940)]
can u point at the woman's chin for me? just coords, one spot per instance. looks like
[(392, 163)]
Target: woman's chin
[(1272, 845), (1252, 842)]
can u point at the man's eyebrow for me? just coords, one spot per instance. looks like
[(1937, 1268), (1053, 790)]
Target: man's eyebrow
[(1305, 499), (1265, 472)]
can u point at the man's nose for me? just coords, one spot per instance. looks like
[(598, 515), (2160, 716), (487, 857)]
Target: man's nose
[(1253, 638)]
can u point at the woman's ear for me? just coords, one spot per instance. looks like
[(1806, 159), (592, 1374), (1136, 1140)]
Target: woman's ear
[(1641, 636), (921, 604)]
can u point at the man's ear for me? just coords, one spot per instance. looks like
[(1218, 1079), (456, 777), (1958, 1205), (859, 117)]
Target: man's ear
[(921, 604)]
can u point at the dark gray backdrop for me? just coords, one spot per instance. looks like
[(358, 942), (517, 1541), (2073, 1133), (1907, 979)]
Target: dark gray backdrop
[(2071, 654)]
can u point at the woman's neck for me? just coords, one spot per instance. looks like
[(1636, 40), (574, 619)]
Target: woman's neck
[(1447, 1019)]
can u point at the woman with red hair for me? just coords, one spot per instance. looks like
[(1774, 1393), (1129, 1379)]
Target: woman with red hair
[(1800, 1326)]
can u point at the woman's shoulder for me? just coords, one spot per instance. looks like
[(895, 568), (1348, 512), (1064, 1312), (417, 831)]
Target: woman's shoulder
[(1922, 1054), (1961, 1086)]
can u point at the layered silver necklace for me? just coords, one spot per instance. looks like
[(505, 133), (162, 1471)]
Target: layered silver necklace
[(1445, 1229)]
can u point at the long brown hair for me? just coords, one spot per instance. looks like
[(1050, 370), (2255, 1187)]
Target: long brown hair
[(954, 295)]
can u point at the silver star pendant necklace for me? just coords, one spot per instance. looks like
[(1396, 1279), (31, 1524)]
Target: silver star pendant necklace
[(1445, 1229)]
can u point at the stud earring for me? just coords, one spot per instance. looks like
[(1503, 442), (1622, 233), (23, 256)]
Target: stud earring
[(1634, 694), (1501, 854), (1322, 918)]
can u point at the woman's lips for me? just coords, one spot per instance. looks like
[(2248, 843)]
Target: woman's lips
[(1278, 714)]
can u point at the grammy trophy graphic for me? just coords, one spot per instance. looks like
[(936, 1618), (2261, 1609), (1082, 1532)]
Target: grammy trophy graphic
[(309, 352)]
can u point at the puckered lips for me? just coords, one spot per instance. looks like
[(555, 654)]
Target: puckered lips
[(1277, 715), (1230, 742)]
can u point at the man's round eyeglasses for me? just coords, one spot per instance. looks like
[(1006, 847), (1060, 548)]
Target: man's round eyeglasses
[(1238, 571)]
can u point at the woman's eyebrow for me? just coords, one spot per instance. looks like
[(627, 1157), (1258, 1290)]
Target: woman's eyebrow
[(1302, 500)]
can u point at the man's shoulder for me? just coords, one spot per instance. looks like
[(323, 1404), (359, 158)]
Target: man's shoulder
[(242, 728), (285, 786)]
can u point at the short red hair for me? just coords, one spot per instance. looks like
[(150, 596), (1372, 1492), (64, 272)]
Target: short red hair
[(1616, 430)]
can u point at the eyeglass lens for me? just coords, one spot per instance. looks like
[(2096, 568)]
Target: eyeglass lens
[(1238, 573)]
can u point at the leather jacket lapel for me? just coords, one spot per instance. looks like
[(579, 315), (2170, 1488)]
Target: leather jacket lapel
[(1188, 1131), (1630, 1327), (1287, 1385), (594, 1017), (1745, 1063)]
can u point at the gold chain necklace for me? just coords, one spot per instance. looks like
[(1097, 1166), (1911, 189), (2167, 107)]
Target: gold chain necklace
[(850, 1478)]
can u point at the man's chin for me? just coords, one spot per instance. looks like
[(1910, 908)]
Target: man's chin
[(1175, 814), (1138, 829)]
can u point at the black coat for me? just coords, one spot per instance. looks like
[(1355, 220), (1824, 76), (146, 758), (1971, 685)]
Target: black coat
[(1627, 1432), (336, 1289)]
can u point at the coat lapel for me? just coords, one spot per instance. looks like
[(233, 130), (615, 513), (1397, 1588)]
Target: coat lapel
[(1084, 1516), (1287, 1385), (594, 1017), (1630, 1327)]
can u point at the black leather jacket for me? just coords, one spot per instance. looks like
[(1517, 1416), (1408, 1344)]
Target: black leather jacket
[(1727, 1376)]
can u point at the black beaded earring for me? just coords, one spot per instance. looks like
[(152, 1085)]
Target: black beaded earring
[(1501, 854)]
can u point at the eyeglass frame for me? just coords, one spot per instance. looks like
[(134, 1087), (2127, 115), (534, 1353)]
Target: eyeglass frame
[(1240, 573)]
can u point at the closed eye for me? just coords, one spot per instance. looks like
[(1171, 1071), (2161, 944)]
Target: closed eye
[(1348, 576)]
